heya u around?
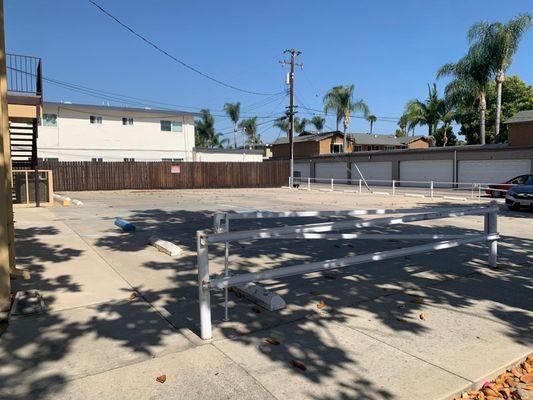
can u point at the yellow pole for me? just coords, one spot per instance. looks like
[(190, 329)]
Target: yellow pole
[(6, 206)]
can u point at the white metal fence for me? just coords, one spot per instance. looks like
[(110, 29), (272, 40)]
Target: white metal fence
[(393, 187), (326, 230)]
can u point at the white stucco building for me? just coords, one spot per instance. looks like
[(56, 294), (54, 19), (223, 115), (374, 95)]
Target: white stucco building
[(83, 132)]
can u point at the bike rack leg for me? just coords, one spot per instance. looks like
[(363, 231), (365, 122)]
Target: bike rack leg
[(226, 271), (203, 292), (491, 226)]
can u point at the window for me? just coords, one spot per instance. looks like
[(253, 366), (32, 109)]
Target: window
[(97, 159), (358, 147), (335, 148), (49, 120), (390, 148), (171, 126), (94, 119), (127, 121), (129, 159)]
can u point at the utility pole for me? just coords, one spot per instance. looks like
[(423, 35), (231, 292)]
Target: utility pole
[(6, 210), (291, 112)]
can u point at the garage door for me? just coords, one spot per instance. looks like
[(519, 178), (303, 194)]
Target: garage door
[(304, 169), (492, 171), (335, 170), (416, 173), (374, 171)]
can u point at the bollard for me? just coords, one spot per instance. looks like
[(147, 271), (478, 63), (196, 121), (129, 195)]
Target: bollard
[(124, 225), (309, 184), (431, 189), (332, 184), (393, 187)]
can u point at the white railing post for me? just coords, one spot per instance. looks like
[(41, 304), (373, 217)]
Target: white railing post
[(431, 189), (226, 269), (204, 300), (290, 182), (479, 192), (332, 184), (309, 184), (491, 226), (360, 187), (393, 187)]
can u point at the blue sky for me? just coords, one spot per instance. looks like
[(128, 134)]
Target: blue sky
[(390, 49)]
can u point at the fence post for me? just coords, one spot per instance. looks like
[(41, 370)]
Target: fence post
[(479, 192), (203, 292), (332, 184), (290, 179), (491, 226), (431, 190), (309, 184), (226, 269), (393, 187), (360, 188)]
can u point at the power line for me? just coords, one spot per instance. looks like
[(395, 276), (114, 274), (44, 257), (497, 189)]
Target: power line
[(166, 53), (141, 102)]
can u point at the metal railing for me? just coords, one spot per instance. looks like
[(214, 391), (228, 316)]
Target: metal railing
[(398, 187), (24, 74), (323, 231)]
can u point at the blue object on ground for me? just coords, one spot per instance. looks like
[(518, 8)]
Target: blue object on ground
[(125, 225)]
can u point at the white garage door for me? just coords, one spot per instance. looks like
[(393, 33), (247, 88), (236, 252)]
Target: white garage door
[(492, 171), (374, 172), (426, 171), (304, 169), (335, 170)]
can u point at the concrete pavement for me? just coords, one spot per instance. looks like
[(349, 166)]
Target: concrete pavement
[(368, 342)]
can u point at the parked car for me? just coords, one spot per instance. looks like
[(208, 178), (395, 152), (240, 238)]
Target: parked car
[(500, 189), (520, 196)]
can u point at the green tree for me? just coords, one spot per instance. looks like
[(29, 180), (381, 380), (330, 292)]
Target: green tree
[(300, 124), (283, 124), (318, 122), (340, 99), (233, 110), (499, 42), (372, 119), (444, 136), (204, 129), (516, 96), (204, 133), (427, 112), (249, 127), (470, 78)]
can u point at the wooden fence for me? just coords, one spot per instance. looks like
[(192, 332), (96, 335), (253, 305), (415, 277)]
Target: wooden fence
[(86, 175)]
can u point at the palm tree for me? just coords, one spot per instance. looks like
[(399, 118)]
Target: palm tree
[(447, 111), (372, 119), (283, 124), (234, 111), (425, 112), (500, 43), (318, 122), (218, 142), (340, 99), (204, 129), (471, 76), (300, 124), (249, 127)]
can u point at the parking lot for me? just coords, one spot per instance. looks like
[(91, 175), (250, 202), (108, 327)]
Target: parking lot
[(119, 313)]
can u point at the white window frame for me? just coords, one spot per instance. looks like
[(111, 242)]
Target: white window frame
[(44, 121), (175, 126), (95, 120), (333, 146)]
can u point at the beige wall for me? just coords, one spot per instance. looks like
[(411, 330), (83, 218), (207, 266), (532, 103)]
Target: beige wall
[(227, 157), (76, 139)]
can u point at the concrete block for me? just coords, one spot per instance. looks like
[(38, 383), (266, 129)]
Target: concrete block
[(165, 247), (261, 296)]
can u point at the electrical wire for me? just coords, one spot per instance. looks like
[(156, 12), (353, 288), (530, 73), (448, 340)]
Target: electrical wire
[(166, 53)]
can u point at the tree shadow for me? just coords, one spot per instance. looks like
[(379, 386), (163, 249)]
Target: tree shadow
[(385, 290)]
